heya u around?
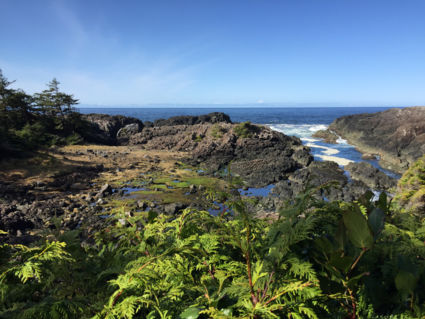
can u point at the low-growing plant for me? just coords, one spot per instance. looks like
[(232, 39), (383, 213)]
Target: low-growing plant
[(217, 131), (246, 129)]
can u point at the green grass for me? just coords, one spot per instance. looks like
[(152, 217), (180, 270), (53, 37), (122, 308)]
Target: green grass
[(217, 131), (180, 184), (246, 129)]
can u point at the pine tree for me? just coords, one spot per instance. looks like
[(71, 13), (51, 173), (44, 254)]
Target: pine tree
[(52, 102)]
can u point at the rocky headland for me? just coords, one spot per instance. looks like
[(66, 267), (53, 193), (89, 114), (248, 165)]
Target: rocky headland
[(395, 136)]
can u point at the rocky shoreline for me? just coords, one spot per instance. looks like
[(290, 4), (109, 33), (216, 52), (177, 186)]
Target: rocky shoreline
[(163, 167), (395, 136)]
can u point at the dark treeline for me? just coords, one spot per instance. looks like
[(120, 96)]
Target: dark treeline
[(29, 122)]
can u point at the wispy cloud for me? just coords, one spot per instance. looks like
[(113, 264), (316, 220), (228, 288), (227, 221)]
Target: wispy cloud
[(159, 81), (77, 34), (98, 70)]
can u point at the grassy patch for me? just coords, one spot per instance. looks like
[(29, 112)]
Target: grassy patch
[(160, 186), (180, 184), (217, 131), (246, 129), (122, 202)]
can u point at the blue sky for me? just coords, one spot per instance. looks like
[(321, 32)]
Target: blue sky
[(293, 52)]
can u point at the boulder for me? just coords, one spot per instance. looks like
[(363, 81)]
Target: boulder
[(173, 208), (327, 136), (127, 131), (104, 191), (142, 204), (368, 156)]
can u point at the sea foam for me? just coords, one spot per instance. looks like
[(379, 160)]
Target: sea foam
[(305, 132), (302, 131)]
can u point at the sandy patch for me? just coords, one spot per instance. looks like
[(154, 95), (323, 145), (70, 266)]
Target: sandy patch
[(339, 160)]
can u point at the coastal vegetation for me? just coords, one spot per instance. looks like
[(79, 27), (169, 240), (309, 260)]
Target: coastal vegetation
[(245, 129), (356, 260), (411, 189), (30, 122), (186, 243)]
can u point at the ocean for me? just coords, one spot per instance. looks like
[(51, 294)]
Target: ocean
[(297, 121)]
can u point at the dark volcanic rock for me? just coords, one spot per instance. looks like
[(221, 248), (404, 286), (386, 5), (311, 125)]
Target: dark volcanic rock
[(261, 158), (317, 174), (371, 176), (103, 128), (127, 131), (173, 208), (216, 117), (397, 135)]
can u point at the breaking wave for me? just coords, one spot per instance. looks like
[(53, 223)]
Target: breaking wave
[(320, 150)]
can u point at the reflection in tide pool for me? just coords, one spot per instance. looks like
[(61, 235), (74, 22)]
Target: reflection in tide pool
[(260, 191)]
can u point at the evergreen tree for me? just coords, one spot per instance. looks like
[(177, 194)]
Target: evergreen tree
[(52, 102), (15, 110)]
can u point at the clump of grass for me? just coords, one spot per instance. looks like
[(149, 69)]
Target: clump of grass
[(217, 131), (246, 129)]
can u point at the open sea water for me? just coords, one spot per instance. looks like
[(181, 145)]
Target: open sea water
[(297, 121)]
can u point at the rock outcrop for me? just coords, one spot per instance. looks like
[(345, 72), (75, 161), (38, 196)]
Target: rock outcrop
[(396, 135), (339, 186), (260, 156), (215, 117), (371, 176), (327, 136), (103, 128)]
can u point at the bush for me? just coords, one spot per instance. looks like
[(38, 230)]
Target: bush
[(31, 136)]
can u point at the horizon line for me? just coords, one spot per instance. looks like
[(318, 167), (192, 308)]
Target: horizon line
[(235, 105)]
